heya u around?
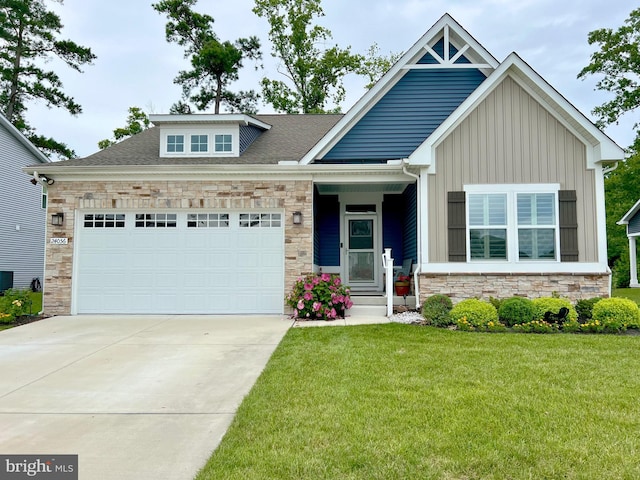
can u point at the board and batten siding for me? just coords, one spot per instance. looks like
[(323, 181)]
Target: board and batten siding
[(510, 139), (22, 218)]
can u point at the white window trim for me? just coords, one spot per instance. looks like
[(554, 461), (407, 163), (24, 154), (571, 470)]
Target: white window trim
[(211, 133), (207, 144), (511, 190)]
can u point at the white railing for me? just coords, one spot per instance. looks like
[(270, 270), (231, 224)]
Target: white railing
[(387, 264)]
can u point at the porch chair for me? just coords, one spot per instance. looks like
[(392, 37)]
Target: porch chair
[(405, 270)]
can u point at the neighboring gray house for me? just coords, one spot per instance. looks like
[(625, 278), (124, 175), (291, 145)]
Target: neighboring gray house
[(22, 216), (632, 220)]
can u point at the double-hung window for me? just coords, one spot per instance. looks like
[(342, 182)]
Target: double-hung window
[(175, 143), (512, 223)]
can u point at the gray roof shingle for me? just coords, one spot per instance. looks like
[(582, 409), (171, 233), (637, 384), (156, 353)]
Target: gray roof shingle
[(290, 138)]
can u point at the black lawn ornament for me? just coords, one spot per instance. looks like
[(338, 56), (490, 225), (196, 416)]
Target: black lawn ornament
[(558, 318)]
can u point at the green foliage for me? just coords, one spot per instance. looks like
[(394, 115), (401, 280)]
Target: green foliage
[(435, 310), (551, 304), (319, 297), (617, 311), (618, 60), (314, 73), (516, 310), (474, 313), (137, 121), (620, 272), (29, 38), (584, 308), (14, 304), (215, 64), (536, 326), (374, 65)]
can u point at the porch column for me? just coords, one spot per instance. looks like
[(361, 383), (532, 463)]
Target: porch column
[(633, 264)]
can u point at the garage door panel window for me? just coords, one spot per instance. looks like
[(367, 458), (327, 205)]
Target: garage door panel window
[(208, 220), (260, 220), (104, 220), (156, 220)]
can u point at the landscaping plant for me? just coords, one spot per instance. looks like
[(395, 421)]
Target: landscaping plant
[(614, 311), (474, 314), (319, 297), (15, 303), (553, 304), (435, 310), (516, 310), (584, 308)]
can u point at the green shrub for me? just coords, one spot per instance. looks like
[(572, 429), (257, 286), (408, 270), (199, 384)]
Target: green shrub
[(496, 302), (616, 311), (15, 303), (474, 313), (435, 310), (516, 310), (584, 308), (536, 326), (551, 304)]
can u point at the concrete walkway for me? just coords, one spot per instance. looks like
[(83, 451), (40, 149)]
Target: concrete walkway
[(136, 397)]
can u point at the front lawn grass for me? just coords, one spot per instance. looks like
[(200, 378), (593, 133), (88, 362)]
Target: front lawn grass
[(631, 293), (401, 401)]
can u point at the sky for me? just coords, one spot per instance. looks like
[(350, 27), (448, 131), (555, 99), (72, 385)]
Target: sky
[(135, 65)]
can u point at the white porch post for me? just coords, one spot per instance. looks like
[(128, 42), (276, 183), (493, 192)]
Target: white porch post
[(387, 263), (633, 263)]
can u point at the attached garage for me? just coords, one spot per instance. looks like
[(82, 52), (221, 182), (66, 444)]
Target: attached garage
[(179, 262)]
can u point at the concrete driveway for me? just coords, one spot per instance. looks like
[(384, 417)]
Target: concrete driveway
[(136, 397)]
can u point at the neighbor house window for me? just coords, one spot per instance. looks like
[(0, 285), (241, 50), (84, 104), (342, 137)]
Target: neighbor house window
[(512, 222), (223, 143), (199, 143), (175, 143)]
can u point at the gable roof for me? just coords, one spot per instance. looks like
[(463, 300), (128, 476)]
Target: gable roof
[(289, 138), (447, 29), (605, 148), (39, 156), (630, 214)]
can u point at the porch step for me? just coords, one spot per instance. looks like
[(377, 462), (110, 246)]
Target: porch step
[(367, 311), (361, 300)]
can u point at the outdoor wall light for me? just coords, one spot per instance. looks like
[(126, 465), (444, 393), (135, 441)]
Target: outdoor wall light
[(297, 218), (47, 180), (57, 219)]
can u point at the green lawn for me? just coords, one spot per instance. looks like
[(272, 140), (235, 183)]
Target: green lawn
[(632, 293), (400, 401)]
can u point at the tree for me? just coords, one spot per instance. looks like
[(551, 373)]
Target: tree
[(618, 59), (137, 121), (316, 74), (29, 38), (374, 65), (214, 64)]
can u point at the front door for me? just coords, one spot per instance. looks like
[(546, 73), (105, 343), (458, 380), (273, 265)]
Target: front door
[(361, 258)]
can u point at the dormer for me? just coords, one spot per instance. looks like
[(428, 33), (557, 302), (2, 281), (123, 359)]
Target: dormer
[(207, 135)]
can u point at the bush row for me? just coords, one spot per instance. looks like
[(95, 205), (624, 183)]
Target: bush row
[(540, 315)]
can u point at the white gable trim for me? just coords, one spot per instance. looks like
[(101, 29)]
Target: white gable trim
[(599, 146), (446, 26), (627, 216)]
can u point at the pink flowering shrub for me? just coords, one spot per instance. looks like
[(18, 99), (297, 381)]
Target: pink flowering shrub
[(319, 297)]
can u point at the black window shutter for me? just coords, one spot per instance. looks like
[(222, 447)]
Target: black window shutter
[(568, 216), (457, 227)]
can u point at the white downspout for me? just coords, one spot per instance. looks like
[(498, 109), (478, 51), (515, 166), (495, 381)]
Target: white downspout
[(416, 273)]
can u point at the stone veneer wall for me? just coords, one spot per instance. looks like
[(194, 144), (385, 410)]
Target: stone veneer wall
[(67, 197), (461, 286)]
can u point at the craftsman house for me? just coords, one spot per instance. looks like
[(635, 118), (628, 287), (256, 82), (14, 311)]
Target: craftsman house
[(475, 172)]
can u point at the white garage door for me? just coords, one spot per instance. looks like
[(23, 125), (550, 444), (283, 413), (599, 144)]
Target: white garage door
[(171, 262)]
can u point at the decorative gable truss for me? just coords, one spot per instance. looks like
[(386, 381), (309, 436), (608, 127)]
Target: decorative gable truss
[(406, 105)]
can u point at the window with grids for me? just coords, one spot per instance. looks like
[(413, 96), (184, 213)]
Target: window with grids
[(156, 220), (223, 143), (175, 143), (260, 220), (104, 220), (199, 143), (207, 220), (488, 226), (511, 225), (536, 226)]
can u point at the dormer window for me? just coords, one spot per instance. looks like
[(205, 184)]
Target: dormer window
[(223, 143), (175, 143), (199, 143)]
